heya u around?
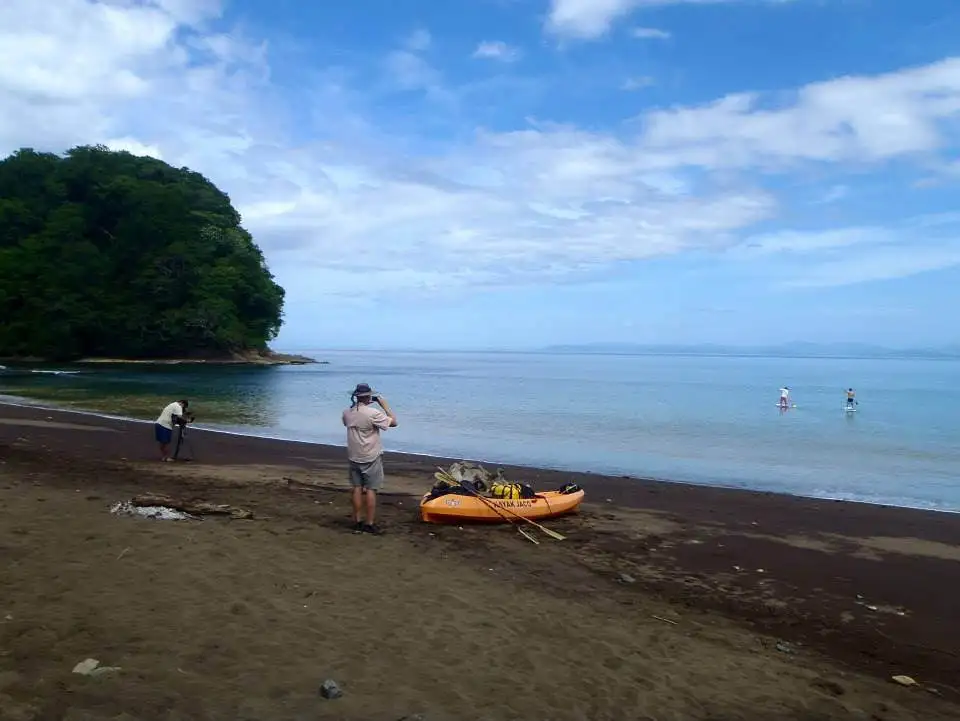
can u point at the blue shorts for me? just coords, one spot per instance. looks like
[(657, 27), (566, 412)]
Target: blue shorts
[(163, 435)]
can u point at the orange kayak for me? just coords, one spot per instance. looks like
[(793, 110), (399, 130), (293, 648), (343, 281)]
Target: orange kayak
[(457, 508)]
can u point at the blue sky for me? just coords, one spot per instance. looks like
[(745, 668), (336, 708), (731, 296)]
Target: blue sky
[(517, 173)]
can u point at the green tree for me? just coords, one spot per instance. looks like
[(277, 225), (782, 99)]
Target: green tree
[(105, 253)]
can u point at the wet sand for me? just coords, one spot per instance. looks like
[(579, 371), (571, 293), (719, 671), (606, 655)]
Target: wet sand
[(666, 601)]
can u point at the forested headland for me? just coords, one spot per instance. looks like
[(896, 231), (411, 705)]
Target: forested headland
[(105, 254)]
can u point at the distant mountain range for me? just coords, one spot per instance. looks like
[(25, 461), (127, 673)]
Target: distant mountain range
[(787, 350)]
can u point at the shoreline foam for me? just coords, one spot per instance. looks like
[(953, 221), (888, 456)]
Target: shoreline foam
[(446, 459)]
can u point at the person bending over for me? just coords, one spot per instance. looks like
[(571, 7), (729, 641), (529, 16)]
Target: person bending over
[(364, 422), (173, 414)]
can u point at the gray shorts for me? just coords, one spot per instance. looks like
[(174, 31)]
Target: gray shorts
[(367, 475)]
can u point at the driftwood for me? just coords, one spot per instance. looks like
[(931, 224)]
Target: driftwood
[(194, 508)]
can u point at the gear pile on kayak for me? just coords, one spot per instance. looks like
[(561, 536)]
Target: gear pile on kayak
[(469, 492)]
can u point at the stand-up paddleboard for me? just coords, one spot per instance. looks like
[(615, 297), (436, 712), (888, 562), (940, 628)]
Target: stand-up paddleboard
[(850, 409), (786, 407)]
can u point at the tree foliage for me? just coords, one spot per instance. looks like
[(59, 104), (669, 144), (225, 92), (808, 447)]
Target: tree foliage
[(108, 254)]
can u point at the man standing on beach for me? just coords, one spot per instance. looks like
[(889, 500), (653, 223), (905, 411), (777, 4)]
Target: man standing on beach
[(172, 414), (365, 452)]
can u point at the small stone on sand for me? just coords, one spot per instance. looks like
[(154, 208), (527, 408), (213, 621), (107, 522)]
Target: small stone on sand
[(330, 690)]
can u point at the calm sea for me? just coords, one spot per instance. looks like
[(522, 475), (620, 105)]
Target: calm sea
[(709, 420)]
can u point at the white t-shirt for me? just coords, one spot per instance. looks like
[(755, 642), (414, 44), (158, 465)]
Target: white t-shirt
[(784, 392), (364, 423), (166, 416)]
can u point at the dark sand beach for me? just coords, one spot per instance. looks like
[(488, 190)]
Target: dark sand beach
[(665, 602)]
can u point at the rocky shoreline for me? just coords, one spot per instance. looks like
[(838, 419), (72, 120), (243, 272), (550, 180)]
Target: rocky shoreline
[(268, 358)]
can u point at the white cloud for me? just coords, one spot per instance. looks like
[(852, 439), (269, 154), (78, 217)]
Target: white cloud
[(545, 201), (851, 255), (514, 205), (586, 19), (651, 34), (91, 71), (591, 19), (124, 40), (804, 243), (496, 50), (885, 263), (542, 202), (856, 119), (134, 146)]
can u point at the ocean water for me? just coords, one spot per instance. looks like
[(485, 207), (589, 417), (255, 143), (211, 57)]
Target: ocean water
[(710, 420)]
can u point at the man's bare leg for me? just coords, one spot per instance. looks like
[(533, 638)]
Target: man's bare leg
[(371, 505), (357, 498)]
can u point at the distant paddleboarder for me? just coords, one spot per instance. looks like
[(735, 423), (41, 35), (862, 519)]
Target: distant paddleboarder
[(851, 398), (785, 397)]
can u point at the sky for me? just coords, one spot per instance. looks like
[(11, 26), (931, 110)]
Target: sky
[(520, 173)]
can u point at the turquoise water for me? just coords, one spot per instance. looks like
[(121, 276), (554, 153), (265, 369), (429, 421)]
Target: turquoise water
[(699, 419)]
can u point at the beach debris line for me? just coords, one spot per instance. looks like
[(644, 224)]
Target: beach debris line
[(160, 513), (167, 508)]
